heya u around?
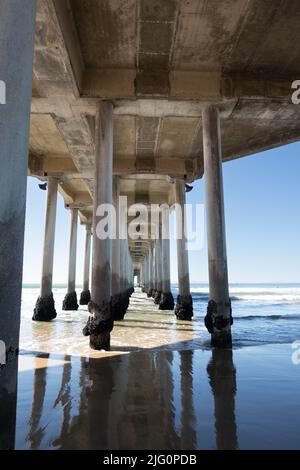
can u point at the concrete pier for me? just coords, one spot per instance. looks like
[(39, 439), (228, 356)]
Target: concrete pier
[(85, 295), (158, 263), (100, 322), (150, 270), (119, 302), (70, 300), (152, 133), (17, 24), (154, 276), (218, 319), (45, 308), (167, 300), (184, 304)]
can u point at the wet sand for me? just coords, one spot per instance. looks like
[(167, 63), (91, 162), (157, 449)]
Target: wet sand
[(161, 392), (144, 327)]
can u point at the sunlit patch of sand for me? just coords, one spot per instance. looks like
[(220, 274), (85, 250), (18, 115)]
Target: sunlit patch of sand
[(144, 327)]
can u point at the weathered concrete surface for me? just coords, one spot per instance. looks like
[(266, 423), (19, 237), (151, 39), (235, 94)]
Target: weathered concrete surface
[(160, 63), (167, 300), (100, 321), (85, 295), (70, 300), (16, 40), (48, 250), (44, 309), (218, 319), (182, 253), (184, 303)]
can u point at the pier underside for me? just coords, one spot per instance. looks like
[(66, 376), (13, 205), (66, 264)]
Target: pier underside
[(136, 99), (159, 63)]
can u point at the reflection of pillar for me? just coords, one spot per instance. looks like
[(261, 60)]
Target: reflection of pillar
[(64, 399), (85, 295), (167, 300), (184, 304), (188, 436), (17, 25), (44, 308), (218, 319), (100, 322), (90, 429), (70, 300), (222, 378), (36, 432)]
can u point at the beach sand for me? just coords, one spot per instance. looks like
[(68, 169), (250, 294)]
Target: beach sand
[(159, 388)]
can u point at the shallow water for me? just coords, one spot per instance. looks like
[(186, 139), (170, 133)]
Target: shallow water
[(262, 314), (161, 386), (144, 327), (193, 399)]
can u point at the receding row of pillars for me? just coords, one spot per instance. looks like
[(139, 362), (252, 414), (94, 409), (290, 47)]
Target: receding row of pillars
[(112, 268), (154, 271), (14, 155), (45, 305), (155, 267), (111, 288), (17, 29)]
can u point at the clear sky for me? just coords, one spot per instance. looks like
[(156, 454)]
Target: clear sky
[(262, 204)]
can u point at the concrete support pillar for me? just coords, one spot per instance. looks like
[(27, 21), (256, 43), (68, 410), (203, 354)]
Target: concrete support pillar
[(218, 319), (184, 304), (17, 24), (85, 295), (167, 300), (70, 300), (44, 308), (115, 280), (146, 271), (150, 274), (158, 246), (122, 266), (154, 271), (119, 299), (142, 275), (100, 322)]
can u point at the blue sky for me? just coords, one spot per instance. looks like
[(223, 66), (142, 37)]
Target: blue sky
[(262, 205)]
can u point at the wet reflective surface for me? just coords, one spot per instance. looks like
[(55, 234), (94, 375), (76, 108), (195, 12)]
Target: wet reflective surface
[(160, 387), (160, 400)]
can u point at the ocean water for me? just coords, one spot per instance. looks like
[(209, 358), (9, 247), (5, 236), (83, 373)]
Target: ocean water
[(175, 392), (263, 314)]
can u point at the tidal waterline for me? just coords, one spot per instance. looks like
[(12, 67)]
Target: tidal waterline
[(161, 386)]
